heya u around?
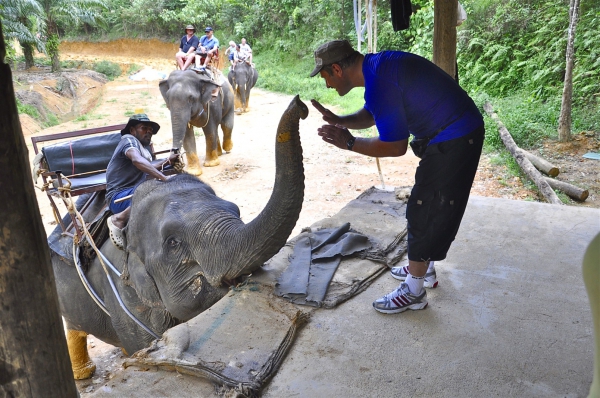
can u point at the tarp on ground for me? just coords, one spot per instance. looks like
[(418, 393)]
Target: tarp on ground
[(377, 214)]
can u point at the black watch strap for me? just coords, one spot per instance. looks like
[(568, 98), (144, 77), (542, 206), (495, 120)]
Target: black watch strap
[(350, 143)]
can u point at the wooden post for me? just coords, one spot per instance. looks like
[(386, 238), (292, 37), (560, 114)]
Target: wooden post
[(34, 360), (444, 35)]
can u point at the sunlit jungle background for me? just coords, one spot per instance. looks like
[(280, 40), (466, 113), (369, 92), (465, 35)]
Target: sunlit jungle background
[(510, 52)]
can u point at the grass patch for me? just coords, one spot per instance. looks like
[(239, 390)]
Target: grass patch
[(52, 119), (129, 113), (110, 69), (133, 68), (88, 116), (28, 110)]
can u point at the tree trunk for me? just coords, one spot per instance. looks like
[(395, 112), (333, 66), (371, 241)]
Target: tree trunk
[(564, 121), (542, 164), (522, 160), (444, 35), (34, 360), (55, 62), (28, 54), (571, 190)]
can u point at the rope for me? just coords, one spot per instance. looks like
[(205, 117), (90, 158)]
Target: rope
[(68, 199)]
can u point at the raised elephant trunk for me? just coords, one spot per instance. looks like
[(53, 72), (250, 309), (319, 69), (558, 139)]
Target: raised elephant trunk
[(262, 238)]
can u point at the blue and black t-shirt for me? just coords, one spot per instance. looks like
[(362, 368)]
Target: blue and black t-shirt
[(407, 94), (121, 172)]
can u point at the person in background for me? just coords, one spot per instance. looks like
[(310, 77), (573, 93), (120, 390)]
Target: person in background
[(232, 54), (245, 51), (188, 44)]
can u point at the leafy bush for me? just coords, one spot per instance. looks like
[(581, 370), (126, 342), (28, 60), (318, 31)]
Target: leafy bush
[(110, 69)]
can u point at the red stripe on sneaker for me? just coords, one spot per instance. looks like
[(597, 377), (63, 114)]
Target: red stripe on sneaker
[(398, 302), (404, 300)]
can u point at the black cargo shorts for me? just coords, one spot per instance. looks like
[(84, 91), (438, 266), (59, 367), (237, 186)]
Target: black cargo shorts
[(439, 197)]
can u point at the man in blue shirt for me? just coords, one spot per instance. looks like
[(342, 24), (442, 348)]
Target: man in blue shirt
[(408, 95), (187, 46), (209, 45)]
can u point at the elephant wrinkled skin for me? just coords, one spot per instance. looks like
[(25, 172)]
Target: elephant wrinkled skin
[(243, 78), (184, 245), (188, 97)]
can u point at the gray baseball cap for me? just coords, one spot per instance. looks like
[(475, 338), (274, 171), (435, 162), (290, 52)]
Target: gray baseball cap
[(330, 53)]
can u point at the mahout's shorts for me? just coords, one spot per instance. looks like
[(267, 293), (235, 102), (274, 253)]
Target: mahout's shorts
[(116, 208), (437, 203)]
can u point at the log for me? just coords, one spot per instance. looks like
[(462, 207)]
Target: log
[(571, 190), (34, 360), (523, 162), (542, 164)]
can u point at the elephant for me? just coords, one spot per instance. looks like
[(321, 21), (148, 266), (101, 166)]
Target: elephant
[(184, 247), (188, 96), (242, 79)]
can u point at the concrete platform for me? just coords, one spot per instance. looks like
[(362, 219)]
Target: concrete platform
[(510, 318)]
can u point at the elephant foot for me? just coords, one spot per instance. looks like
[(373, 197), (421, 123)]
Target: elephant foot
[(193, 166), (227, 145), (238, 111), (82, 365), (212, 163)]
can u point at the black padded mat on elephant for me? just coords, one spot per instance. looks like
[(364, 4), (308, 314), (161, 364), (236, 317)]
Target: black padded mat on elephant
[(239, 343), (376, 214)]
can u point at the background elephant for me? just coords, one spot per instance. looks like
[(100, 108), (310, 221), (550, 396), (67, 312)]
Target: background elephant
[(184, 246), (242, 79), (188, 97)]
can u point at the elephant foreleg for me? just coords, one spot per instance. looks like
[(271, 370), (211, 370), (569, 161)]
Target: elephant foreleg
[(189, 144), (212, 145), (227, 127), (82, 365)]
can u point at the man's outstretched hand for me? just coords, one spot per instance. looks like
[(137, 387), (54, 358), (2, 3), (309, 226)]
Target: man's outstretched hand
[(328, 116)]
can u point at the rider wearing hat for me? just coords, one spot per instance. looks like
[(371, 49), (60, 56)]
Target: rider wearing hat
[(189, 43), (209, 45), (130, 165)]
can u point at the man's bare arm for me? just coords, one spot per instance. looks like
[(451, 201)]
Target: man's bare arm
[(144, 165), (339, 136)]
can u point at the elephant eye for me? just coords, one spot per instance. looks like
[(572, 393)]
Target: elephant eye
[(173, 243)]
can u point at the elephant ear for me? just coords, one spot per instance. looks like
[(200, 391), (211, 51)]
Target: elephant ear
[(164, 88), (142, 282), (205, 87)]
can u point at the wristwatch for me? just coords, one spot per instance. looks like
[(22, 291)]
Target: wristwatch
[(350, 143)]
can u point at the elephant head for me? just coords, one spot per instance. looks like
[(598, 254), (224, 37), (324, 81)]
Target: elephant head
[(242, 79), (185, 244), (186, 95)]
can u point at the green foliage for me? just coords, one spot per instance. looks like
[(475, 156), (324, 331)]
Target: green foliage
[(515, 45), (52, 45), (291, 76), (28, 110), (110, 69), (133, 68)]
